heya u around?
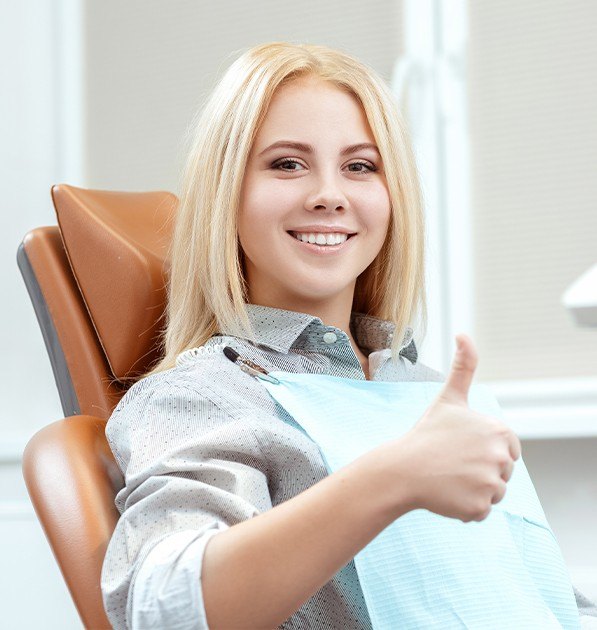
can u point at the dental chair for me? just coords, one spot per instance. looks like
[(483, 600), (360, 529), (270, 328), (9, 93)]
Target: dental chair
[(97, 284)]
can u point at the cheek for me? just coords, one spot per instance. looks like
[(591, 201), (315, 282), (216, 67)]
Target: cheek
[(252, 211), (262, 205), (265, 191), (248, 233), (265, 203), (378, 214)]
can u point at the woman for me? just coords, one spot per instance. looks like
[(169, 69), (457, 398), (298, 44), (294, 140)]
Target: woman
[(299, 242)]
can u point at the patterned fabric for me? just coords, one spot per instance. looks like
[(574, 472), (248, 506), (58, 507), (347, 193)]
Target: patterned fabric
[(202, 446)]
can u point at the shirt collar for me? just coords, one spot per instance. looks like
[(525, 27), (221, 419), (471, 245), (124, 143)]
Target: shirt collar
[(279, 329)]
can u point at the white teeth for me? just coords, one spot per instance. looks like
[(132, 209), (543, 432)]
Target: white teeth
[(322, 239)]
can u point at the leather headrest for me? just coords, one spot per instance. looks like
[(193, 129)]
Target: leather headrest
[(117, 245)]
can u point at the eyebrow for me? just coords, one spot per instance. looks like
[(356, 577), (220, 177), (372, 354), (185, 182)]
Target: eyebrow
[(307, 148)]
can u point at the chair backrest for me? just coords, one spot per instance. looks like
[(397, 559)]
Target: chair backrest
[(97, 284)]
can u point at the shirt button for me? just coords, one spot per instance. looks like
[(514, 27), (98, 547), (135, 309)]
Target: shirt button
[(330, 337)]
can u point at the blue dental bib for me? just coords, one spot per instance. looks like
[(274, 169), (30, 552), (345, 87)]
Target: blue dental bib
[(425, 570)]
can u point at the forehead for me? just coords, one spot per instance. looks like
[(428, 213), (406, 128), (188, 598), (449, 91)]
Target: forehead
[(310, 106)]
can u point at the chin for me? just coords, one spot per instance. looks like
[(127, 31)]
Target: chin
[(317, 293)]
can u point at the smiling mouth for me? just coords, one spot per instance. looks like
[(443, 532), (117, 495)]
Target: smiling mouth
[(294, 235), (321, 250)]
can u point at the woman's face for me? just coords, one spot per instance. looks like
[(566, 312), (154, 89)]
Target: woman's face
[(325, 189)]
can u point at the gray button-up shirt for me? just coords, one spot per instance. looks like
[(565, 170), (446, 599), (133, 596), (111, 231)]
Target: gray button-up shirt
[(203, 446)]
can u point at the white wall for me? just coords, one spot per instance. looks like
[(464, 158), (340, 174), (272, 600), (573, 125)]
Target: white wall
[(32, 158)]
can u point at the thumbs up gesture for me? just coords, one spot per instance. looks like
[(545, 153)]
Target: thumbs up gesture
[(454, 461), (461, 373)]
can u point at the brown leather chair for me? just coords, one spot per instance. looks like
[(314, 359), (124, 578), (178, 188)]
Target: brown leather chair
[(97, 284)]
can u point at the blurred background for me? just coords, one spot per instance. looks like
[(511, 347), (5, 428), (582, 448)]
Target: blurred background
[(500, 99)]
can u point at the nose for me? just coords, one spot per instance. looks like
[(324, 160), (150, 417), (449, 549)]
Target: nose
[(328, 195)]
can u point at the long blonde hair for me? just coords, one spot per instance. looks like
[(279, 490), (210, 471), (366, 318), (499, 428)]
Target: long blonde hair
[(207, 291)]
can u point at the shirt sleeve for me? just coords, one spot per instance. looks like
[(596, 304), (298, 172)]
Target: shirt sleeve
[(192, 469)]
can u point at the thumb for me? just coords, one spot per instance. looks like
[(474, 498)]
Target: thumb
[(461, 373)]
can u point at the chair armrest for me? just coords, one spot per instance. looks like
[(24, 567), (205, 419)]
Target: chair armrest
[(72, 479)]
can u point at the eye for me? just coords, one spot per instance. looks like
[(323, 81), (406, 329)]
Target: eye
[(280, 163), (370, 167)]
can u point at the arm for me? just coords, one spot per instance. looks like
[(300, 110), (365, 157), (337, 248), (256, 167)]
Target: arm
[(259, 572), (190, 471)]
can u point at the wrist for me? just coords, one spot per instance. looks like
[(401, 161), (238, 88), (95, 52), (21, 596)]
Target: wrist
[(387, 481)]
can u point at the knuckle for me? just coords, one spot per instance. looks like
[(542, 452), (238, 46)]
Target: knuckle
[(491, 421), (490, 483), (483, 515), (500, 492), (497, 426), (502, 458), (477, 511), (479, 507), (507, 474), (503, 430)]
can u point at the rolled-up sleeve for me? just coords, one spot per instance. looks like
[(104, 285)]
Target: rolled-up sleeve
[(192, 469)]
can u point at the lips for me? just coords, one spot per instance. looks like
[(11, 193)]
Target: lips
[(322, 228)]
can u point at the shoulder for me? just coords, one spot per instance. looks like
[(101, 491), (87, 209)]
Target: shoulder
[(182, 381), (202, 378), (146, 392), (195, 370), (209, 400)]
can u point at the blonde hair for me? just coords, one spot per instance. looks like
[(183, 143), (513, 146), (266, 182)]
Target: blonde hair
[(207, 290)]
